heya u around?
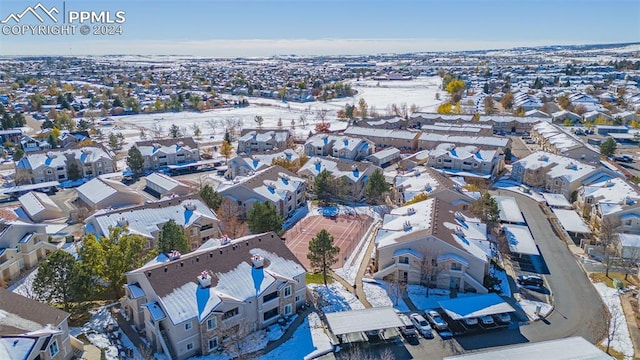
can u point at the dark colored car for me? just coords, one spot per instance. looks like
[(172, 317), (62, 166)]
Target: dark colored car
[(534, 280)]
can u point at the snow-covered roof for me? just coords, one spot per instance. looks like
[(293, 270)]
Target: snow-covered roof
[(561, 166), (35, 202), (164, 182), (572, 348), (354, 171), (466, 140), (382, 154), (520, 239), (629, 240), (509, 209), (571, 221), (378, 133), (556, 200), (405, 219), (475, 306), (614, 190), (146, 220), (58, 157), (377, 318)]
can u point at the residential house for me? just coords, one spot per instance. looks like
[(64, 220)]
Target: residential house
[(628, 246), (466, 160), (69, 139), (467, 129), (383, 138), (54, 165), (11, 135), (501, 124), (564, 115), (430, 141), (260, 141), (610, 197), (249, 165), (161, 185), (594, 115), (537, 114), (384, 122), (39, 207), (554, 173), (355, 174), (557, 140), (161, 153), (606, 130), (343, 147), (105, 193), (385, 157), (22, 246), (194, 216), (433, 243), (32, 330), (30, 144), (211, 298), (275, 184)]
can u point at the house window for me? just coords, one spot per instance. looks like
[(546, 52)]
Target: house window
[(270, 314), (456, 266), (297, 298), (187, 326), (213, 343), (212, 323), (269, 297), (229, 314), (404, 260), (287, 291), (194, 231), (53, 348), (190, 346), (288, 309)]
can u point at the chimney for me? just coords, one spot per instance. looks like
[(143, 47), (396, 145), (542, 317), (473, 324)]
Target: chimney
[(174, 255), (204, 279), (189, 206), (257, 261)]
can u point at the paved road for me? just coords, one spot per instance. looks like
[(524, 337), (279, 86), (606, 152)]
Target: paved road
[(578, 308)]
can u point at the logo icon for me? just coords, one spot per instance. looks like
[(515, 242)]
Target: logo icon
[(35, 12)]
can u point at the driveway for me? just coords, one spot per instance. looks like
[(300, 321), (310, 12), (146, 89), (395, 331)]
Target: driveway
[(578, 308)]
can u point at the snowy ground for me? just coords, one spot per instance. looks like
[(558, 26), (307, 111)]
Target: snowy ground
[(336, 298), (504, 280), (530, 307), (350, 268), (378, 295), (96, 331), (621, 339), (418, 295), (420, 91), (308, 341)]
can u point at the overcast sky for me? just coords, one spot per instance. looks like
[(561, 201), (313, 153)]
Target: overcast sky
[(310, 27)]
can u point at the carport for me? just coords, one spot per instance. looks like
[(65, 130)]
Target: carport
[(356, 321), (475, 306), (571, 222), (520, 240), (509, 211)]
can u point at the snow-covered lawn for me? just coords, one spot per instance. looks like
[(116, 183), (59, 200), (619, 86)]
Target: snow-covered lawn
[(378, 295), (504, 280), (621, 339), (336, 298), (530, 307), (418, 295)]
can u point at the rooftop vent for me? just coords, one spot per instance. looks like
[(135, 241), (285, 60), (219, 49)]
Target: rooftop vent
[(174, 255), (354, 168), (225, 240), (571, 166), (406, 226), (204, 279), (411, 211), (459, 232), (428, 188), (543, 158), (52, 155), (257, 261), (608, 183), (190, 206), (459, 216), (180, 143), (122, 222), (156, 145)]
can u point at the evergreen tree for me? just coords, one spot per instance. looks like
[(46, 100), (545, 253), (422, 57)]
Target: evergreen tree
[(486, 208), (174, 131), (322, 253), (322, 186), (210, 197), (109, 258), (376, 187), (73, 171), (173, 237), (57, 279), (608, 147), (135, 161), (264, 217)]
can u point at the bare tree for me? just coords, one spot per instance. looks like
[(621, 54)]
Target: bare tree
[(144, 353), (608, 237), (322, 115), (614, 322), (233, 332), (303, 121), (430, 271), (232, 125), (157, 130), (629, 260), (397, 287), (356, 352), (230, 215), (213, 124)]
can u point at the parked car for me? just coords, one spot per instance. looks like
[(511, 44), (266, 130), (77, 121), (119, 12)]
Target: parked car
[(503, 318), (436, 321), (373, 335), (487, 320), (408, 329), (470, 321), (623, 158), (533, 280), (422, 325), (530, 141)]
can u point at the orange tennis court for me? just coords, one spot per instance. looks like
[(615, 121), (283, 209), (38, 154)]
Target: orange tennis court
[(347, 231)]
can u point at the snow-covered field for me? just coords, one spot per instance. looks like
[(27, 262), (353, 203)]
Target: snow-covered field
[(621, 339), (418, 295), (380, 95), (336, 298)]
